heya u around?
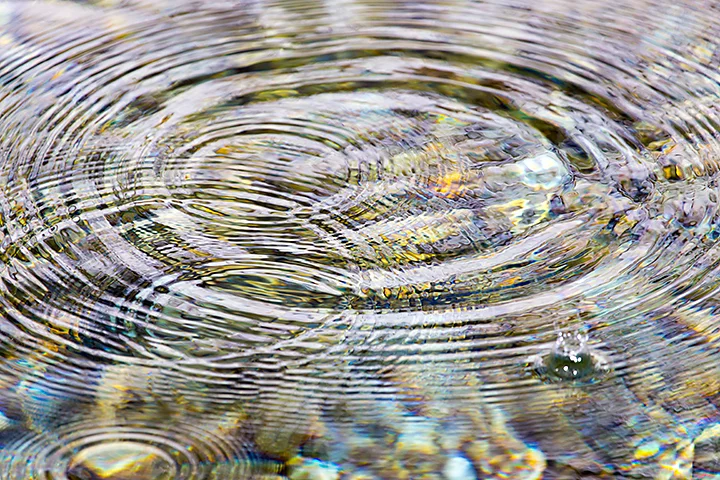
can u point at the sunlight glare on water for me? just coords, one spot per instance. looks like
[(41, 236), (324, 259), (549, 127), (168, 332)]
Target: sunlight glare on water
[(359, 239)]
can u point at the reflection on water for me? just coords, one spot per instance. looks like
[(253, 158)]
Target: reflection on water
[(359, 239)]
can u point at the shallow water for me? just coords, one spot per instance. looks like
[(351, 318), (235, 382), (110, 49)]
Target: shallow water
[(359, 240)]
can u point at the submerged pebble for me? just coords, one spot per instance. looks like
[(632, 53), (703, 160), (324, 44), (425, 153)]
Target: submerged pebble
[(459, 468), (121, 461), (311, 469)]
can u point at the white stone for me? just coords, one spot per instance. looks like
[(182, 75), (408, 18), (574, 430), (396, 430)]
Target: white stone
[(459, 468)]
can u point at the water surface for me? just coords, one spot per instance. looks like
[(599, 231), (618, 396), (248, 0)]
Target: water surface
[(446, 240)]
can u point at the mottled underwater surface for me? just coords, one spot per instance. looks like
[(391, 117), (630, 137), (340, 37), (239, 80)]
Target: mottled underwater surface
[(359, 240)]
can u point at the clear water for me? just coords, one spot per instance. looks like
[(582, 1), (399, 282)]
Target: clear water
[(447, 240)]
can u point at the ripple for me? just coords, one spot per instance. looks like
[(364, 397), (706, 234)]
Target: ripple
[(83, 450), (268, 200), (140, 422)]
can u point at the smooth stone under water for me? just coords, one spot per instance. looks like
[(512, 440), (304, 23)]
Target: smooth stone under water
[(121, 461)]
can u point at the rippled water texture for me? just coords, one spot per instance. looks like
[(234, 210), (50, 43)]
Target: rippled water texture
[(359, 240)]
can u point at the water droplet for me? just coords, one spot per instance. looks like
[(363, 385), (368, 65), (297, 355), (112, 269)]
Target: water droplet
[(571, 360)]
